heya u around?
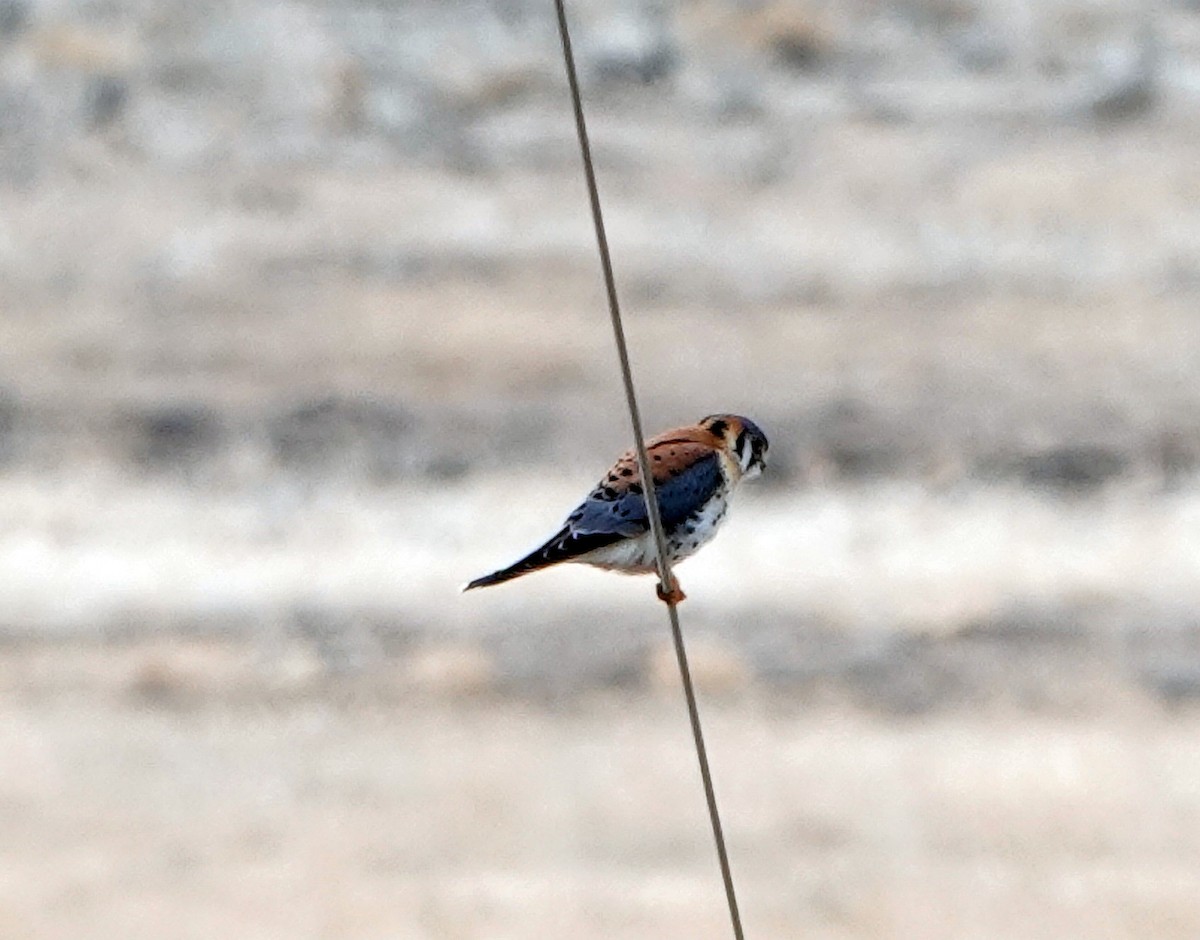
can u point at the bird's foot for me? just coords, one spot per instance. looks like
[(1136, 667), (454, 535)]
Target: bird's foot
[(672, 596)]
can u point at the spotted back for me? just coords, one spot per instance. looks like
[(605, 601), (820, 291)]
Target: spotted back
[(686, 474)]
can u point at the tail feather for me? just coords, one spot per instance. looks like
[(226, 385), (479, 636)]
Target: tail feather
[(536, 560), (564, 546), (499, 577)]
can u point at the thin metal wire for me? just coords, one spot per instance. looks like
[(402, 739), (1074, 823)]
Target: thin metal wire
[(666, 578)]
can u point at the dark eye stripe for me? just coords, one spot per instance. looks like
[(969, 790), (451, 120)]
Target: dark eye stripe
[(740, 444)]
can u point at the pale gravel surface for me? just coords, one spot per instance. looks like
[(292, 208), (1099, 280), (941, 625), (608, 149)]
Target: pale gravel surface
[(292, 290), (347, 816)]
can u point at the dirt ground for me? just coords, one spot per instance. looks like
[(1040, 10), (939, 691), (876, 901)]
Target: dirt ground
[(302, 328), (149, 793)]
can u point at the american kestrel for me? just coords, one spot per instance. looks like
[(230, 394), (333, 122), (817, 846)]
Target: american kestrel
[(695, 469)]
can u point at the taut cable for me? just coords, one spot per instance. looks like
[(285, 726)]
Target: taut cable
[(667, 584)]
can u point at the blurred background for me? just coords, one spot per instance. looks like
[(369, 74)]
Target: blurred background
[(303, 328)]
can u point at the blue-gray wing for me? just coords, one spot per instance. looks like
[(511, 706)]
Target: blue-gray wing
[(621, 510)]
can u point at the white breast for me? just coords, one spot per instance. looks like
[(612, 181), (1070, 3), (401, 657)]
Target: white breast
[(699, 528), (637, 556)]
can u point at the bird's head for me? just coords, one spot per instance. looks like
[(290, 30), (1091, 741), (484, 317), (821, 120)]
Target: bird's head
[(744, 441)]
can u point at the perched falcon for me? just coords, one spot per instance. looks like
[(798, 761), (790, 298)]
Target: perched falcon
[(696, 470)]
